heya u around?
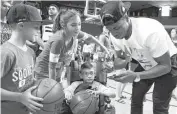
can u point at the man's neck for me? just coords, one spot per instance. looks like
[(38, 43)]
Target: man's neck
[(129, 31)]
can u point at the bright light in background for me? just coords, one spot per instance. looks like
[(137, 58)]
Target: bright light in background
[(165, 10)]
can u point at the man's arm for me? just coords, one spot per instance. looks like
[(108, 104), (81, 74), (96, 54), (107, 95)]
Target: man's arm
[(158, 47), (163, 67)]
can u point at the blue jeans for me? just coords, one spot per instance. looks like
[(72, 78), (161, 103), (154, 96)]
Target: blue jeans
[(163, 87)]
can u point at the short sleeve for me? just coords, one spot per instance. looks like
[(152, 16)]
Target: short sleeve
[(7, 59), (73, 86), (56, 46), (157, 43), (102, 88)]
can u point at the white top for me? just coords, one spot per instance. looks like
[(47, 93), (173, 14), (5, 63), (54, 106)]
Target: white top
[(47, 32), (88, 48), (149, 40)]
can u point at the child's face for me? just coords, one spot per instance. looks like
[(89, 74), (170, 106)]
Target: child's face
[(31, 30), (88, 75), (73, 26)]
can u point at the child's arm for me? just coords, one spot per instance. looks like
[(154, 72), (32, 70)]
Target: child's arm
[(103, 90), (69, 91), (54, 56), (25, 98), (88, 38)]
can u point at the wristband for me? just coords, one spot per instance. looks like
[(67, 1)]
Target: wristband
[(137, 79)]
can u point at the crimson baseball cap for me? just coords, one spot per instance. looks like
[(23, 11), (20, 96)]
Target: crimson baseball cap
[(114, 9), (24, 13)]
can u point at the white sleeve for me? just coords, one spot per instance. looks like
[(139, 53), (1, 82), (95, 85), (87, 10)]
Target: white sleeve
[(101, 87), (157, 44), (73, 86)]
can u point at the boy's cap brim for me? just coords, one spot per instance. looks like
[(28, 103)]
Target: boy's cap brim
[(25, 13), (44, 22)]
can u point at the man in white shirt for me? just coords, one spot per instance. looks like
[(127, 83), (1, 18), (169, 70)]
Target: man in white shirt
[(150, 46)]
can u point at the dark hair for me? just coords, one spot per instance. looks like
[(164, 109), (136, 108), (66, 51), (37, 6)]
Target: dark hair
[(63, 17), (54, 6), (86, 65)]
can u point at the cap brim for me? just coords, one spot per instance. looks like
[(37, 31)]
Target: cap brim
[(45, 22)]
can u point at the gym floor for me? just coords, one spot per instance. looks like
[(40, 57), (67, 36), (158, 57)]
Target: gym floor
[(125, 108)]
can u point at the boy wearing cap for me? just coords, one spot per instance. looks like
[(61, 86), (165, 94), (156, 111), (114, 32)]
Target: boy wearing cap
[(150, 46), (17, 62)]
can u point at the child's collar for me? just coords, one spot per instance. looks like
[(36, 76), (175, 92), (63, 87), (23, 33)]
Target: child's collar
[(90, 84)]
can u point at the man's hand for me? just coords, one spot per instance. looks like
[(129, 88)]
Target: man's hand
[(124, 77), (31, 101)]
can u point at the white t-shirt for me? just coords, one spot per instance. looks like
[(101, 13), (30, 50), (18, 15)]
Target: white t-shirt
[(149, 40)]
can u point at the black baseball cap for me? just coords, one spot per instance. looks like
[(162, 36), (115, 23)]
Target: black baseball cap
[(114, 9), (24, 13)]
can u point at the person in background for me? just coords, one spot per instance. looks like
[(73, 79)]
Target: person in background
[(5, 29), (53, 11), (173, 35)]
